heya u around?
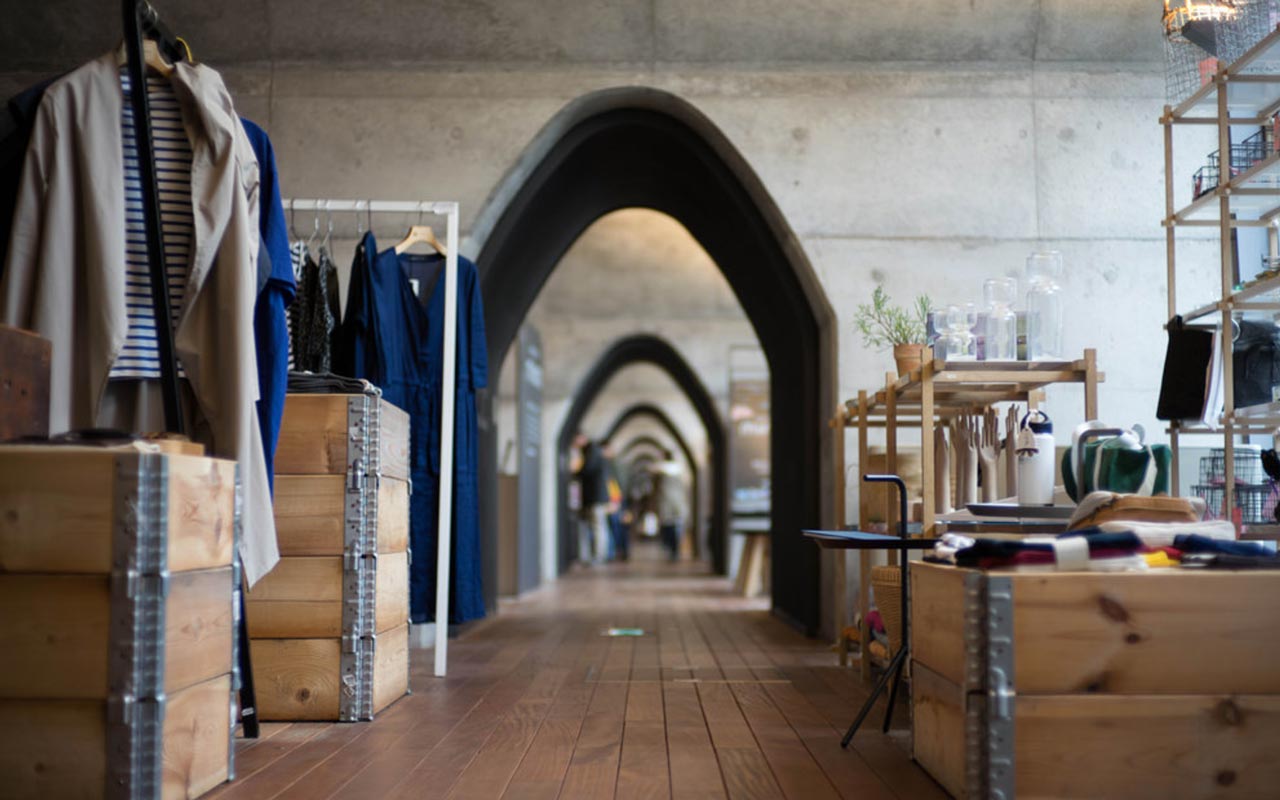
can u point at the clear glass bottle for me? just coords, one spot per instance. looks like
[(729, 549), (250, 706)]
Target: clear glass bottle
[(1044, 306), (937, 333), (958, 340), (1001, 335)]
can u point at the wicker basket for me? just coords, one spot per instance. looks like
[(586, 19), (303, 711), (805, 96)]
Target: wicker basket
[(886, 581)]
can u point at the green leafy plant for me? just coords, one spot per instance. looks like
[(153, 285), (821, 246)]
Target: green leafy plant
[(884, 325)]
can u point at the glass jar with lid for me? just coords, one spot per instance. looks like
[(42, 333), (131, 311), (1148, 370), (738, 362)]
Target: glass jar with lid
[(1045, 314)]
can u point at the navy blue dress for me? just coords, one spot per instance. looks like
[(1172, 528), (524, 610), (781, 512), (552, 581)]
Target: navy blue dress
[(394, 338), (271, 333)]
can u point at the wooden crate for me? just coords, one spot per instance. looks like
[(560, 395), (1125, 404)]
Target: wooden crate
[(1158, 684), (117, 606), (321, 434), (25, 360), (329, 625)]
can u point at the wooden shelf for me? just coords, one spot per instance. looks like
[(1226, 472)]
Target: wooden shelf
[(965, 386), (1253, 198), (1242, 94), (922, 399), (1262, 294)]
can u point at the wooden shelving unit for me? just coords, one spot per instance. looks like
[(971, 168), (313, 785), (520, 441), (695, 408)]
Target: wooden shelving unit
[(933, 394), (1243, 93)]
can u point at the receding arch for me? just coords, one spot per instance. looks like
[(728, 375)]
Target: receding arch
[(641, 147), (639, 441), (640, 410), (648, 349)]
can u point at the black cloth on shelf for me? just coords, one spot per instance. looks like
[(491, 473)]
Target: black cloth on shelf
[(328, 383)]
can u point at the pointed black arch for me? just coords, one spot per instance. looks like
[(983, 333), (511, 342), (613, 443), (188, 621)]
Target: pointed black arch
[(640, 147), (648, 349), (718, 461), (639, 441)]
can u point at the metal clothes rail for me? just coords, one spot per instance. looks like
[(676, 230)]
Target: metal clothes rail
[(141, 21), (444, 527)]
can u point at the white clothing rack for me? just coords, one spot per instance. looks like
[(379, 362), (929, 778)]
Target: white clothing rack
[(444, 527)]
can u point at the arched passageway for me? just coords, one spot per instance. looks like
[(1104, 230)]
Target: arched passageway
[(639, 147), (718, 469), (646, 349), (642, 441)]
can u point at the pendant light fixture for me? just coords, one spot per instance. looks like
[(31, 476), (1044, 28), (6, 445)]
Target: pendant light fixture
[(1189, 20)]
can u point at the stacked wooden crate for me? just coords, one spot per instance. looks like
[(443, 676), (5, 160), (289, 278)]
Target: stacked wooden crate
[(329, 625), (1085, 684), (117, 611)]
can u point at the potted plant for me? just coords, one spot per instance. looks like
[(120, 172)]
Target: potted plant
[(885, 325)]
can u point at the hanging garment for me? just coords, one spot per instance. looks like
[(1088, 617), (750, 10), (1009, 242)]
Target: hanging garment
[(276, 291), (65, 270), (298, 255), (16, 120), (313, 323), (394, 338), (139, 357)]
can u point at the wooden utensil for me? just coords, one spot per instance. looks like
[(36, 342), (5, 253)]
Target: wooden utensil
[(989, 454), (941, 471), (1011, 451)]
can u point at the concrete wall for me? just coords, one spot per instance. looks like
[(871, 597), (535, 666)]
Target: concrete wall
[(922, 144)]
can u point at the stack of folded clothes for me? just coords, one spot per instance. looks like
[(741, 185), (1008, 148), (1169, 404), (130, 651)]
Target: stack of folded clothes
[(1115, 546)]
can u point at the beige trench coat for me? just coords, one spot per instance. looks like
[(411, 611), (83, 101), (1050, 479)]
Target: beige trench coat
[(65, 272)]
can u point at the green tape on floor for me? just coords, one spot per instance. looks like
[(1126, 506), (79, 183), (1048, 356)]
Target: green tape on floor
[(624, 632)]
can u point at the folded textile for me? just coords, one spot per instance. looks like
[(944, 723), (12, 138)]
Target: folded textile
[(1157, 534), (947, 547), (328, 383), (1128, 563), (1195, 543), (1227, 561)]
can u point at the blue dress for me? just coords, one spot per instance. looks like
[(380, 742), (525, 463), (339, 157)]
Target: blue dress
[(276, 292), (395, 340)]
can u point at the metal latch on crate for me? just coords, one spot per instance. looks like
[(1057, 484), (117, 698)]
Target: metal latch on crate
[(357, 473), (1002, 694), (138, 585), (125, 709)]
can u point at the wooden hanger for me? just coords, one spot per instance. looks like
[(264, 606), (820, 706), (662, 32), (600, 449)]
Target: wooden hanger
[(421, 234), (150, 55)]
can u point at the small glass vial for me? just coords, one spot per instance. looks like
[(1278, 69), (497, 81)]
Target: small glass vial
[(1044, 306), (1001, 339)]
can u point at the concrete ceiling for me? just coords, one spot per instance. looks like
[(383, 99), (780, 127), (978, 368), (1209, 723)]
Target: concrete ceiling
[(52, 34)]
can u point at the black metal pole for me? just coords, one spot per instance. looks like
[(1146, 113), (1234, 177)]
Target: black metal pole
[(133, 28), (898, 662)]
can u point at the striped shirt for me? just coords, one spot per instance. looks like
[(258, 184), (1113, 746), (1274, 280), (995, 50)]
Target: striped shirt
[(139, 358)]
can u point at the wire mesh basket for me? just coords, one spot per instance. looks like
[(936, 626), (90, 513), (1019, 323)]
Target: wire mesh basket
[(1195, 44), (1187, 67), (1243, 156), (1247, 461), (1254, 20), (1256, 503)]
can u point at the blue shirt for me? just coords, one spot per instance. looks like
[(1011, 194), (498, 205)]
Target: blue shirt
[(275, 293)]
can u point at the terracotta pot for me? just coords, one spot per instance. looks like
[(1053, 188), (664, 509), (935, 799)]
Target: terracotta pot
[(908, 356)]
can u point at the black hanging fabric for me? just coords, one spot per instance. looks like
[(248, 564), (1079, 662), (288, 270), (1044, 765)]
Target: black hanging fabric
[(1186, 370)]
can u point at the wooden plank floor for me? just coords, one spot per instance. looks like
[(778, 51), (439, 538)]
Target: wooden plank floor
[(717, 700)]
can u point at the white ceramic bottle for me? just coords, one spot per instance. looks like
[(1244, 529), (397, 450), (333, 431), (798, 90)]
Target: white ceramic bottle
[(1035, 460)]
